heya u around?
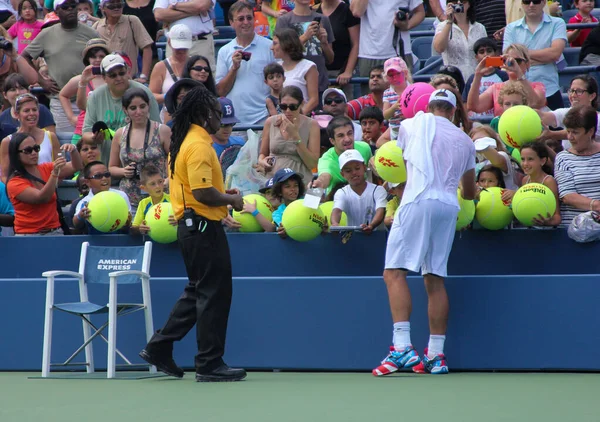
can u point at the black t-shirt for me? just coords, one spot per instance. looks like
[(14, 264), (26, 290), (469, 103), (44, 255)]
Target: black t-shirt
[(341, 19), (46, 119)]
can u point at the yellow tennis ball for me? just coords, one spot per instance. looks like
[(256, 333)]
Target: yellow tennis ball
[(519, 125), (491, 212), (157, 218), (466, 213), (327, 208), (109, 211), (533, 199), (302, 223), (247, 220), (389, 163)]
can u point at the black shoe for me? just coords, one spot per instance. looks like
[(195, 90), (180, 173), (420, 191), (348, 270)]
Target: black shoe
[(222, 373), (163, 363)]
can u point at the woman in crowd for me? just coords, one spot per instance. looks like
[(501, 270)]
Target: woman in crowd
[(290, 140), (139, 143), (299, 72), (516, 64), (198, 69), (455, 37), (81, 86), (577, 170), (31, 185), (28, 114), (14, 86)]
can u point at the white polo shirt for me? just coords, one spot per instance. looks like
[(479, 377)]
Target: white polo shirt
[(201, 24)]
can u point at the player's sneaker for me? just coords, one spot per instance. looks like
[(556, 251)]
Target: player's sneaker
[(436, 365), (420, 367), (395, 360)]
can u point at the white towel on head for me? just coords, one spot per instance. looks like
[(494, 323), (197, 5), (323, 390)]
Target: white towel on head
[(420, 131)]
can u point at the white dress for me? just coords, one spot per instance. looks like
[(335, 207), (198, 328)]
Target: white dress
[(297, 76), (460, 52)]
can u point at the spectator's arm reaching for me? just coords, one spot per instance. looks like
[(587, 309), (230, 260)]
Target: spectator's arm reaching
[(358, 7), (322, 181), (36, 196), (76, 164), (496, 159)]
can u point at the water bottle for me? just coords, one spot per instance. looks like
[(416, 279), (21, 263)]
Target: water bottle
[(313, 196)]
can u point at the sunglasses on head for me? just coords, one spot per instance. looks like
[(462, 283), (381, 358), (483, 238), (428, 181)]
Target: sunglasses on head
[(100, 176), (292, 107), (114, 6), (29, 150), (337, 100), (528, 2), (22, 97), (114, 75), (201, 68)]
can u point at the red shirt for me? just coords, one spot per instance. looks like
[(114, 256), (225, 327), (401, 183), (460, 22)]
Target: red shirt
[(33, 218), (583, 34), (356, 106)]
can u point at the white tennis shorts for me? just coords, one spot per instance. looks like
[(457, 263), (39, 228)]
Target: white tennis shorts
[(421, 238)]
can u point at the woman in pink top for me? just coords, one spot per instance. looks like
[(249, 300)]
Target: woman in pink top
[(27, 27), (516, 64)]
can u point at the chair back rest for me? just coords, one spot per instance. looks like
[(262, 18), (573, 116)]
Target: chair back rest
[(99, 261)]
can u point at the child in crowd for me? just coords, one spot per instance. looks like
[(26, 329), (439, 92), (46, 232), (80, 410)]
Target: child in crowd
[(89, 151), (152, 182), (274, 201), (363, 202), (97, 177), (274, 78), (485, 47), (83, 190), (490, 177), (287, 187), (371, 123), (578, 36), (511, 94), (397, 190), (397, 74), (27, 27), (536, 164), (85, 12)]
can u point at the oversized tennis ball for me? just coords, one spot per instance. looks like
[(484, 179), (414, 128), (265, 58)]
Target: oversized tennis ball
[(109, 211), (415, 98), (157, 218), (302, 223), (516, 154), (519, 125), (491, 212), (247, 220), (327, 208), (466, 213), (533, 199), (389, 163)]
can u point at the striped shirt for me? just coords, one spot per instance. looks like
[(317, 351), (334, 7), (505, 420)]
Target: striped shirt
[(576, 174), (491, 14)]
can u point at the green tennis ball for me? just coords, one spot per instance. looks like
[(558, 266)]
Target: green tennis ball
[(491, 212), (466, 213), (247, 220), (157, 218), (389, 163), (109, 211), (327, 208), (533, 199), (519, 125), (302, 223)]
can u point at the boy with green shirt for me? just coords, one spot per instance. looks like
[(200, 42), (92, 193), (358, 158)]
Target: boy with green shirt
[(152, 182), (341, 135)]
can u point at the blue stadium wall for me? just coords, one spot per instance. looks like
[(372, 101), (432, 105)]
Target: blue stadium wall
[(520, 300)]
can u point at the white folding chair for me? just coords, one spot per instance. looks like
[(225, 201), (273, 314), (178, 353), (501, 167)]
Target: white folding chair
[(97, 264)]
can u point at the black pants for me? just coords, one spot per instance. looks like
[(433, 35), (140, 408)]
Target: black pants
[(206, 299), (555, 101)]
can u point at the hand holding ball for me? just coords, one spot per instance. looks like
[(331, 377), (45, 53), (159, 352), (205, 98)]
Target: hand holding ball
[(247, 220), (389, 163), (108, 211), (519, 125), (491, 212), (467, 212), (302, 223), (533, 199), (327, 208), (415, 98), (161, 229)]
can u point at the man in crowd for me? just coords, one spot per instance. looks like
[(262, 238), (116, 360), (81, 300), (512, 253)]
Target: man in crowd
[(335, 103), (377, 86), (239, 75), (61, 46)]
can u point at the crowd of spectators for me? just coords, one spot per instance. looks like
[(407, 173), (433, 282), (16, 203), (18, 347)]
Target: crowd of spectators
[(90, 71)]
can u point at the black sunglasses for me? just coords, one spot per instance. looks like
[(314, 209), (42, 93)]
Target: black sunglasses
[(114, 75), (337, 100), (100, 176), (528, 2), (486, 51), (201, 68), (29, 150), (227, 125), (114, 6), (292, 107), (67, 6)]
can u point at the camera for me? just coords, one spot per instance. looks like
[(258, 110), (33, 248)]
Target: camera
[(317, 19), (459, 8), (402, 14), (5, 44), (246, 55)]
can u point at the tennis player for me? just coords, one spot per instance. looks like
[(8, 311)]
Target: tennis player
[(438, 156)]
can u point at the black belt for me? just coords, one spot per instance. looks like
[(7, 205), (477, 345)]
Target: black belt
[(201, 36)]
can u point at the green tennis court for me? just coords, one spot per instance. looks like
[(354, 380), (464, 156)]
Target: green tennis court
[(291, 397)]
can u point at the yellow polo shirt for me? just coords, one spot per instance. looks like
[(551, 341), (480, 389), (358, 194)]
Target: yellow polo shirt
[(196, 167)]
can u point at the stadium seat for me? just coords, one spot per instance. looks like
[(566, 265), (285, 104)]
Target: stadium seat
[(431, 66), (571, 55), (426, 25), (568, 14), (103, 265), (421, 47), (225, 32), (596, 13), (565, 76)]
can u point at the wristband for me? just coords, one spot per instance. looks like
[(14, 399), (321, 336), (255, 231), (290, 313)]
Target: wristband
[(592, 204), (254, 213), (298, 142)]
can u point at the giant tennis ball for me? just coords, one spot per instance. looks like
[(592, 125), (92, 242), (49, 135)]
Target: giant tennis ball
[(533, 199), (247, 220), (415, 98), (157, 218), (109, 211), (519, 125), (302, 223), (466, 213), (491, 212), (389, 163), (327, 208)]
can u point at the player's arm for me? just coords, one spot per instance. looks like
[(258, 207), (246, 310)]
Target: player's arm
[(468, 185)]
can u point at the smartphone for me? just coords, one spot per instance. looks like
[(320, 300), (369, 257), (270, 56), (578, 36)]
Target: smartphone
[(494, 62), (317, 19), (96, 70), (246, 55)]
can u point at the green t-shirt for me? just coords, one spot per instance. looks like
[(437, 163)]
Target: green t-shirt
[(330, 163)]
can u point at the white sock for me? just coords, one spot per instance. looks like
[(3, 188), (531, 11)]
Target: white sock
[(436, 345), (401, 335)]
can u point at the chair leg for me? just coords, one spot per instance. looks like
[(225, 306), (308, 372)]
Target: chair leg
[(112, 329), (47, 342), (89, 349), (148, 315)]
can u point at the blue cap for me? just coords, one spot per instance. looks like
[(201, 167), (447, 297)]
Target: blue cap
[(228, 117), (268, 185), (283, 174)]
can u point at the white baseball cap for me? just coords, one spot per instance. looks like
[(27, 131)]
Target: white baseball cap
[(350, 155), (443, 95), (337, 91), (181, 37), (111, 61)]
